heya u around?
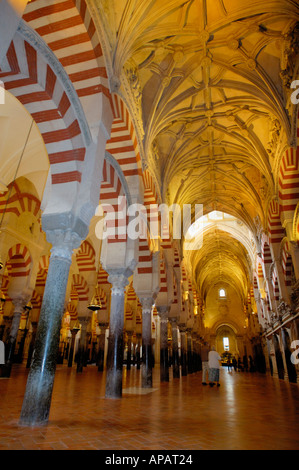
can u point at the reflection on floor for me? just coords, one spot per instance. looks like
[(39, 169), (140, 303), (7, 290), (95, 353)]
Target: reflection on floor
[(248, 411)]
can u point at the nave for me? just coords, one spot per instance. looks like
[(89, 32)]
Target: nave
[(249, 411)]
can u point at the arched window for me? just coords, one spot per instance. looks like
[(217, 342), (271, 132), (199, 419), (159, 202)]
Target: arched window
[(222, 293), (226, 344)]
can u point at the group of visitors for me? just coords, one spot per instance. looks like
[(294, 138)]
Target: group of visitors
[(211, 363), (241, 366)]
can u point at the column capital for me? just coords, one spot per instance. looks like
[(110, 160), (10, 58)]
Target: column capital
[(163, 311), (63, 243), (147, 303), (182, 328), (173, 321), (119, 280)]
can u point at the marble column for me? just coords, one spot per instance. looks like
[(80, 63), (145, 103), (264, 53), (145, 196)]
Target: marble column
[(175, 350), (138, 342), (116, 332), (32, 343), (129, 344), (81, 356), (101, 349), (189, 353), (71, 351), (183, 332), (147, 361), (38, 394), (164, 367), (19, 304)]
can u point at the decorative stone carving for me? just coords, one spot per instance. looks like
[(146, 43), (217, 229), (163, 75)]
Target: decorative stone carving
[(284, 309), (63, 243), (289, 53)]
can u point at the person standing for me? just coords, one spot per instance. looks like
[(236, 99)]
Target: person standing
[(205, 363), (214, 368)]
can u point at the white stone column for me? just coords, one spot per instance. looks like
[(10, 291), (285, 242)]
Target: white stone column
[(146, 368), (175, 350), (119, 280), (37, 399), (164, 368), (19, 305)]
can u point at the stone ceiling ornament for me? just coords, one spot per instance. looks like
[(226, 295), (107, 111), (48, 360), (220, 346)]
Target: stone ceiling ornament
[(289, 54)]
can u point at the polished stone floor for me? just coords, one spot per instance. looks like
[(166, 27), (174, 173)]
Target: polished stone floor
[(249, 411)]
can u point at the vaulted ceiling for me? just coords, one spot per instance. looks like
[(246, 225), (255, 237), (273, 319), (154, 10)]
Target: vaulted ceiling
[(206, 83)]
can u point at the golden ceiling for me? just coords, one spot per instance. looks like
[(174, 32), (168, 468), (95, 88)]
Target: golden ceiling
[(206, 82)]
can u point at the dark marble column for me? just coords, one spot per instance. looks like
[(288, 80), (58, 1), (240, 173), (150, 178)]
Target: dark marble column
[(116, 332), (81, 356), (129, 354), (38, 394), (31, 345), (175, 350), (189, 353), (138, 342), (19, 304), (71, 351), (164, 367), (183, 351), (101, 349), (147, 361), (20, 354)]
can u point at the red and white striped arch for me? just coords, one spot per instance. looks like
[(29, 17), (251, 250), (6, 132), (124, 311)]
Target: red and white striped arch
[(145, 258), (289, 183), (123, 144), (36, 300), (114, 203), (163, 277), (275, 229), (69, 30), (33, 82), (81, 287), (19, 202), (287, 264), (19, 261), (275, 285), (86, 257), (71, 308), (103, 278), (266, 254), (42, 271), (102, 297)]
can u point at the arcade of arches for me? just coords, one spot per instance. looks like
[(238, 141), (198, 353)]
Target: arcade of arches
[(111, 103)]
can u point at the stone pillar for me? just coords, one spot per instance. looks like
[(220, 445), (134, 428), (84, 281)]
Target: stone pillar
[(38, 394), (101, 349), (116, 342), (189, 353), (183, 332), (81, 356), (138, 342), (129, 354), (31, 345), (175, 349), (19, 305), (164, 368), (71, 352), (281, 282), (147, 360)]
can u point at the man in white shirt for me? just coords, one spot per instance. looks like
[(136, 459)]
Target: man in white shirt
[(214, 368)]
